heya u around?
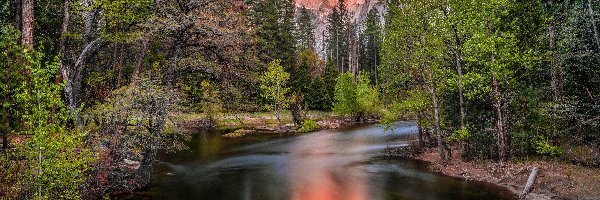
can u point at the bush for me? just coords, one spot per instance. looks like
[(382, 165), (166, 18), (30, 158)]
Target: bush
[(543, 148), (356, 99), (459, 135), (309, 126)]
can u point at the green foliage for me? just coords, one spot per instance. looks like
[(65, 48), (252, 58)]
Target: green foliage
[(273, 84), (211, 104), (355, 99), (307, 61), (123, 18), (305, 30), (274, 23), (346, 99), (371, 39), (309, 126), (367, 96), (339, 30), (542, 147), (55, 159), (459, 135)]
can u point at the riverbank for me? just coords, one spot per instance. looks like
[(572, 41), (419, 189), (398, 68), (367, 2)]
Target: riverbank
[(240, 124), (556, 180)]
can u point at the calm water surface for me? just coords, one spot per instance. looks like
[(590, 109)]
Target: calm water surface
[(342, 164)]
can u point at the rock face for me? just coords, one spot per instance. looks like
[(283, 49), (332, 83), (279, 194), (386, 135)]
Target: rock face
[(322, 8)]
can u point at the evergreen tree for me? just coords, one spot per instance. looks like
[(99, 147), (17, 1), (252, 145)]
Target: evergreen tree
[(274, 24), (338, 32), (370, 45), (305, 30)]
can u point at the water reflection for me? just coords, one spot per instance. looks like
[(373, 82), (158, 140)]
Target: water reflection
[(328, 165)]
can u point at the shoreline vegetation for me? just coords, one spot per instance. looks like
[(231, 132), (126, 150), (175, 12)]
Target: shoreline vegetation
[(241, 124), (557, 179)]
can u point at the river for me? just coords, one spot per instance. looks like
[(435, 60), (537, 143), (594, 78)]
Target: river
[(344, 164)]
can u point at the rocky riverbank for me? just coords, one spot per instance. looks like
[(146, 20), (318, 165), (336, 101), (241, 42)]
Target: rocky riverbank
[(265, 123), (556, 180)]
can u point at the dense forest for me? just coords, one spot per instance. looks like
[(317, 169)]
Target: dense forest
[(91, 89)]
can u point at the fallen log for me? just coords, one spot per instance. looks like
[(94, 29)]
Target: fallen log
[(530, 182)]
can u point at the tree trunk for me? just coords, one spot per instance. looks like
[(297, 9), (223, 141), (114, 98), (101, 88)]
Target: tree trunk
[(436, 118), (297, 110), (139, 63), (458, 61), (501, 138), (74, 74), (62, 43), (278, 116), (27, 17), (420, 132), (501, 135), (461, 101), (530, 182), (375, 68)]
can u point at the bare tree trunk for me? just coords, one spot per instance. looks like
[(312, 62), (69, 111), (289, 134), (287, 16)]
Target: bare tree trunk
[(501, 138), (337, 52), (27, 20), (593, 22), (436, 118), (62, 43), (376, 62), (501, 135), (461, 96), (139, 63), (458, 60), (74, 74), (420, 132)]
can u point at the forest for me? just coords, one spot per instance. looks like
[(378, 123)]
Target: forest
[(94, 90)]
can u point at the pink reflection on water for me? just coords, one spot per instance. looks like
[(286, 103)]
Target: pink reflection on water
[(320, 169)]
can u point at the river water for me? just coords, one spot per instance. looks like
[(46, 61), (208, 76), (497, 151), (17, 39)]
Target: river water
[(345, 164)]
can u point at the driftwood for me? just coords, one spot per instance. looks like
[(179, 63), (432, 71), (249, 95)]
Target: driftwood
[(530, 182)]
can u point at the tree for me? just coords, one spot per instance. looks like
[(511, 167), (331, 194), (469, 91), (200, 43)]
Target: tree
[(27, 26), (273, 84), (338, 41), (211, 103), (305, 30), (274, 23), (355, 99), (370, 43), (53, 161), (346, 98), (414, 48)]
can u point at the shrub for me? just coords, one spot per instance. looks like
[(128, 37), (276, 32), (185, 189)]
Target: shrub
[(543, 148), (356, 99), (309, 126)]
